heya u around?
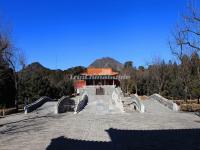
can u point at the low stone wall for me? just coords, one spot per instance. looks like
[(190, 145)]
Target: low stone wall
[(138, 105), (33, 106), (82, 102), (7, 111), (65, 104), (108, 89), (168, 103)]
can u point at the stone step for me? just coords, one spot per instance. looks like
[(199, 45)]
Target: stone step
[(100, 104)]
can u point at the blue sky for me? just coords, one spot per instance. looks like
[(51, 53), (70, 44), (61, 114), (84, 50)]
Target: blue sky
[(65, 33)]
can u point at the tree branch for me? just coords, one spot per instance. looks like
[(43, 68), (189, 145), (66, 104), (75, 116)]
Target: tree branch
[(191, 45), (190, 31)]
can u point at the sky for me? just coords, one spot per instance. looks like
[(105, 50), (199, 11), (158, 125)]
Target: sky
[(66, 33)]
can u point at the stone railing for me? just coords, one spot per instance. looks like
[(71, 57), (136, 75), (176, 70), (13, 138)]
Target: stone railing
[(65, 104), (168, 103), (138, 105), (116, 97), (33, 106), (82, 102), (81, 91), (119, 90)]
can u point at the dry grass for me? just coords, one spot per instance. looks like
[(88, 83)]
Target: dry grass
[(190, 107), (7, 111), (144, 97), (180, 102)]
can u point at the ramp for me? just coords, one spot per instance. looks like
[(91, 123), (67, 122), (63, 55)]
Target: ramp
[(47, 108), (153, 106), (100, 104)]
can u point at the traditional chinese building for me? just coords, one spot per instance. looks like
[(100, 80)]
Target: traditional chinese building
[(97, 76)]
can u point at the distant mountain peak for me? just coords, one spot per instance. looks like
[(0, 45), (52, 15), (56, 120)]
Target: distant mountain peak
[(33, 67), (35, 64), (107, 62)]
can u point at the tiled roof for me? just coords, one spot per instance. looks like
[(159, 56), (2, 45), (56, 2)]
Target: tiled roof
[(100, 72)]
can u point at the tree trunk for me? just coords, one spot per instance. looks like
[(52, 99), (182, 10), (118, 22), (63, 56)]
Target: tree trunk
[(136, 89), (186, 92), (159, 91), (16, 95), (127, 88)]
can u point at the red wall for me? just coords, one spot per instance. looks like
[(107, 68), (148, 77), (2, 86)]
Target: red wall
[(79, 84)]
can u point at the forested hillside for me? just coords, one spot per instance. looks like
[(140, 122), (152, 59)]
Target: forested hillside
[(172, 80), (36, 81)]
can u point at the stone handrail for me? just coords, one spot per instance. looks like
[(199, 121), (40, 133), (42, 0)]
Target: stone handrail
[(116, 97), (168, 103), (119, 91), (65, 104), (139, 106), (81, 91), (82, 102), (33, 106)]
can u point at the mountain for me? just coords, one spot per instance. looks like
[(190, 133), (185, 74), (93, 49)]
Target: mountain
[(107, 62), (54, 76), (34, 69), (35, 66), (36, 80)]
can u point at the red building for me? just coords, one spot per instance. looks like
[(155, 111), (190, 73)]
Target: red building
[(97, 76)]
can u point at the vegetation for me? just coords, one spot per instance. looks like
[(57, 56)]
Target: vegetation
[(8, 79), (7, 87), (175, 80), (37, 81), (32, 81), (172, 80)]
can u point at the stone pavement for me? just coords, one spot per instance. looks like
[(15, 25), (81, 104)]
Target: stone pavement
[(42, 130), (100, 104)]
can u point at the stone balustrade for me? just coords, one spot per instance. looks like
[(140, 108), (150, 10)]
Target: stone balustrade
[(33, 106), (168, 103), (82, 102), (65, 104), (117, 99), (138, 105)]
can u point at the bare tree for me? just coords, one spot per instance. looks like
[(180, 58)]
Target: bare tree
[(191, 27), (160, 74), (186, 37), (186, 41), (10, 57)]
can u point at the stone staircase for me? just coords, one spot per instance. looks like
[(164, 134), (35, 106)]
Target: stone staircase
[(103, 104), (100, 104), (47, 108)]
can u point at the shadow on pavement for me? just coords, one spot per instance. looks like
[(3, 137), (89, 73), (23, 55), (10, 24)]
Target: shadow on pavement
[(183, 139)]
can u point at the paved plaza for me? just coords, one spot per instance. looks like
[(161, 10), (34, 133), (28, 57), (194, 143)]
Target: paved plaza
[(42, 129)]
